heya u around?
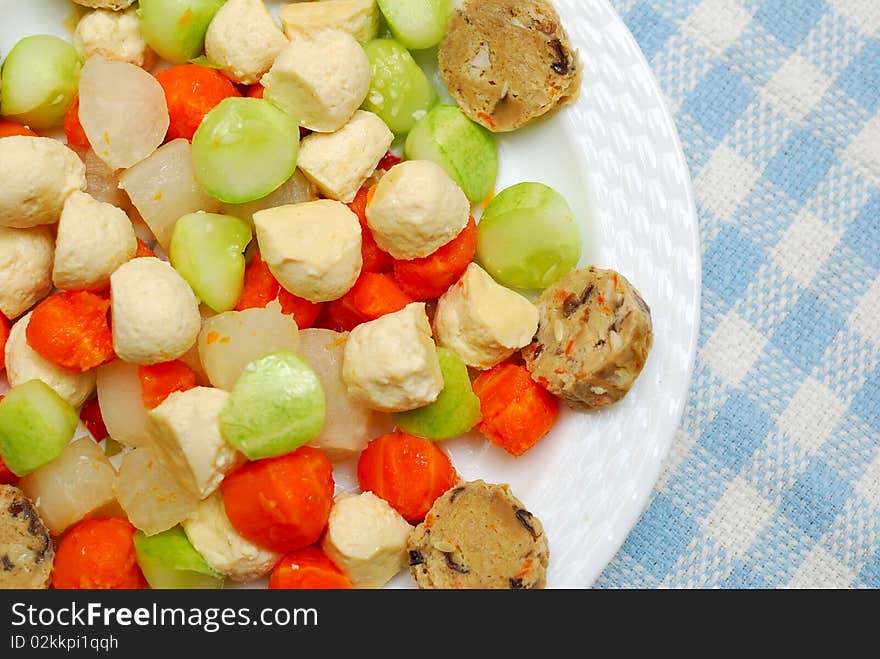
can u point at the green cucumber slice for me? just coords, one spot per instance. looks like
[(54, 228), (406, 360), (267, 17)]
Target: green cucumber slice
[(244, 149)]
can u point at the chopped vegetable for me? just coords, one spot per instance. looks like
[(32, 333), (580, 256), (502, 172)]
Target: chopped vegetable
[(527, 237), (6, 475), (112, 447), (281, 503), (429, 277), (90, 415), (151, 496), (176, 29), (244, 149), (35, 426), (122, 406), (456, 410), (98, 554), (376, 294), (388, 161), (348, 425), (168, 560), (373, 295), (304, 312), (465, 150), (10, 128), (400, 92), (123, 111), (163, 189), (73, 130), (374, 258), (295, 190), (102, 182), (39, 79), (192, 91), (158, 381), (276, 406), (260, 285), (143, 250), (207, 249), (308, 569), (417, 24), (78, 483), (517, 411), (408, 472), (229, 341), (340, 316), (71, 329)]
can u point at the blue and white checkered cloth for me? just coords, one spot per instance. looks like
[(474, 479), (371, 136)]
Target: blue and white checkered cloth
[(774, 477)]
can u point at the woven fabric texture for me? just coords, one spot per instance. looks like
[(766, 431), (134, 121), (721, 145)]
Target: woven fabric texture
[(774, 476)]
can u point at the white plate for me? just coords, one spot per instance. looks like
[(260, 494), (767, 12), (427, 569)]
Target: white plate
[(616, 157)]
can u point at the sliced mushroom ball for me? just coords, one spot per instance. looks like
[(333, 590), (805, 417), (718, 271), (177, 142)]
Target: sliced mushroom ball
[(26, 551), (594, 336)]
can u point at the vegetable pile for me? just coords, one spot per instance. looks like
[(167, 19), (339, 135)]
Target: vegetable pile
[(255, 260)]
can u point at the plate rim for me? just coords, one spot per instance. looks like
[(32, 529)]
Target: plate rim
[(646, 495)]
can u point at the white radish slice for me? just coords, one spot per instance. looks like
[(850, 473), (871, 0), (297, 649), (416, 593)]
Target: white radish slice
[(230, 341), (348, 425), (191, 358), (76, 483), (123, 111), (296, 190), (102, 182), (122, 404), (149, 493), (163, 188)]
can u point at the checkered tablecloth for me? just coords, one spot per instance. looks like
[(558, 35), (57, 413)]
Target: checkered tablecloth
[(774, 476)]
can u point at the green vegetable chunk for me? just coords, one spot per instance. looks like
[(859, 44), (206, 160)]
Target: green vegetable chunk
[(456, 410), (176, 29), (112, 447), (207, 250), (168, 560), (35, 426), (276, 406), (527, 237), (417, 24), (39, 79), (465, 150), (244, 149), (400, 92)]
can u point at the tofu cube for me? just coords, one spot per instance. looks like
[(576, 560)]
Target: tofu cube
[(390, 364), (338, 163), (26, 263), (243, 39), (93, 240), (482, 321), (313, 248), (320, 78), (366, 538), (213, 536), (185, 432), (360, 18)]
